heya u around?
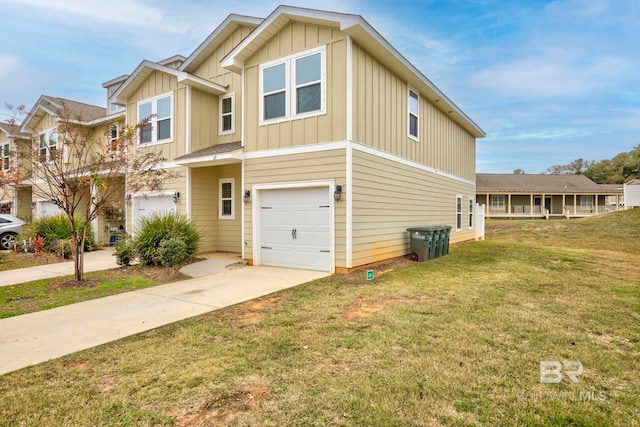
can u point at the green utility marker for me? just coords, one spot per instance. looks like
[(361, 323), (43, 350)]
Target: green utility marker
[(369, 274)]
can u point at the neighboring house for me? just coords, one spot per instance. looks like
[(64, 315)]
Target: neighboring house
[(11, 142), (632, 194), (545, 196), (41, 124), (303, 140)]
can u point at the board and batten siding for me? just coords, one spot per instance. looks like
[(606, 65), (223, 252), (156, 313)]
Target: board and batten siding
[(222, 235), (204, 119), (380, 114), (159, 84), (292, 39), (295, 168), (389, 197)]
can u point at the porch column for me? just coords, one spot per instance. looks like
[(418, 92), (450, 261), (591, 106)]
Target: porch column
[(531, 204), (509, 205), (575, 204), (595, 196), (488, 204)]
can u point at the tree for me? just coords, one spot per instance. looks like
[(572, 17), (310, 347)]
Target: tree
[(518, 172), (84, 173), (575, 167)]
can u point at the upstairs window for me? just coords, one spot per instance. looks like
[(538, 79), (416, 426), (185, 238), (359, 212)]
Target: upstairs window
[(114, 135), (48, 145), (293, 87), (414, 110), (227, 108), (159, 112), (4, 153)]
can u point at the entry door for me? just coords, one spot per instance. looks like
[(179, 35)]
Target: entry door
[(295, 228)]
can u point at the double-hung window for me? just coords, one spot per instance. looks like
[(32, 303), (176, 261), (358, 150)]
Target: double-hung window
[(414, 114), (48, 145), (293, 87), (158, 112), (471, 212), (227, 108), (226, 191), (4, 152)]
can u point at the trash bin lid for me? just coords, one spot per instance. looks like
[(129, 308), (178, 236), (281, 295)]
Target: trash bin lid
[(427, 229)]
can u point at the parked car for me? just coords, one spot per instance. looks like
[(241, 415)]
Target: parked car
[(10, 227)]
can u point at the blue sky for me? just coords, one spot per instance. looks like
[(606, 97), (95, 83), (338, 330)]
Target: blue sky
[(548, 81)]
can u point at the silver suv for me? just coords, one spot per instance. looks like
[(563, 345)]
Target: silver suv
[(10, 227)]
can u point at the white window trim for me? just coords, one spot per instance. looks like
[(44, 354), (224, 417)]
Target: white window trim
[(47, 141), (154, 119), (497, 201), (221, 215), (459, 213), (5, 153), (471, 214), (409, 114), (232, 114), (290, 87)]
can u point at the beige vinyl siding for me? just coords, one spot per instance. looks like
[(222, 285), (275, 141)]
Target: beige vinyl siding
[(380, 112), (292, 39), (216, 234), (389, 197), (325, 165), (159, 84), (24, 199)]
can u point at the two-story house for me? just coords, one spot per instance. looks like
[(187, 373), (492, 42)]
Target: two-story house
[(12, 199), (42, 127), (303, 140)]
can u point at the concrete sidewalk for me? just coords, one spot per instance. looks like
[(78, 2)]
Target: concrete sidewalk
[(36, 337), (93, 261)]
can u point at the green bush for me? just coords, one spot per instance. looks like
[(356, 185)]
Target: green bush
[(125, 251), (53, 229), (178, 231)]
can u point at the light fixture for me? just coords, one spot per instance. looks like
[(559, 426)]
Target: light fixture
[(337, 193), (246, 197), (33, 205), (128, 199), (176, 196)]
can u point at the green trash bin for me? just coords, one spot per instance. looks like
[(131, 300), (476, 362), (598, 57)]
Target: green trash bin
[(421, 240), (447, 233), (437, 241)]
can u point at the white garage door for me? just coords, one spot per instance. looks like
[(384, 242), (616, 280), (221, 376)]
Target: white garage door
[(159, 205), (49, 209), (295, 228)]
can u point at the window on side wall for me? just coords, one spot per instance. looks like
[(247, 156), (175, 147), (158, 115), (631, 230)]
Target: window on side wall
[(293, 87), (414, 114), (6, 160), (158, 112), (471, 212), (227, 109), (226, 191), (458, 212)]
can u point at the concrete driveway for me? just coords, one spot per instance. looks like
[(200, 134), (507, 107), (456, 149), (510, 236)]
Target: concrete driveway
[(36, 337)]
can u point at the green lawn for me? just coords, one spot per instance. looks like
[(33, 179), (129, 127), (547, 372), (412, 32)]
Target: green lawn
[(454, 341)]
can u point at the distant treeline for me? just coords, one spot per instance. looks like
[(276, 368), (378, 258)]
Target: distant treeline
[(622, 168)]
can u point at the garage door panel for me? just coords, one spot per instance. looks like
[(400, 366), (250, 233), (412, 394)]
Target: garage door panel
[(295, 228)]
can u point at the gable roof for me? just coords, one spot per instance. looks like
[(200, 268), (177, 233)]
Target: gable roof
[(360, 30), (217, 36), (563, 183), (51, 105), (13, 131), (146, 68)]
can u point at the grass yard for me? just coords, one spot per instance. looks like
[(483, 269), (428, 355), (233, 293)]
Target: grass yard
[(454, 341), (49, 293)]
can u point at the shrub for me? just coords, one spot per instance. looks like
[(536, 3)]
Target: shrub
[(125, 251), (153, 230), (52, 229)]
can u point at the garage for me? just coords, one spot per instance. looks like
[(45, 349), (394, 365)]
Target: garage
[(295, 228), (48, 209), (161, 205)]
